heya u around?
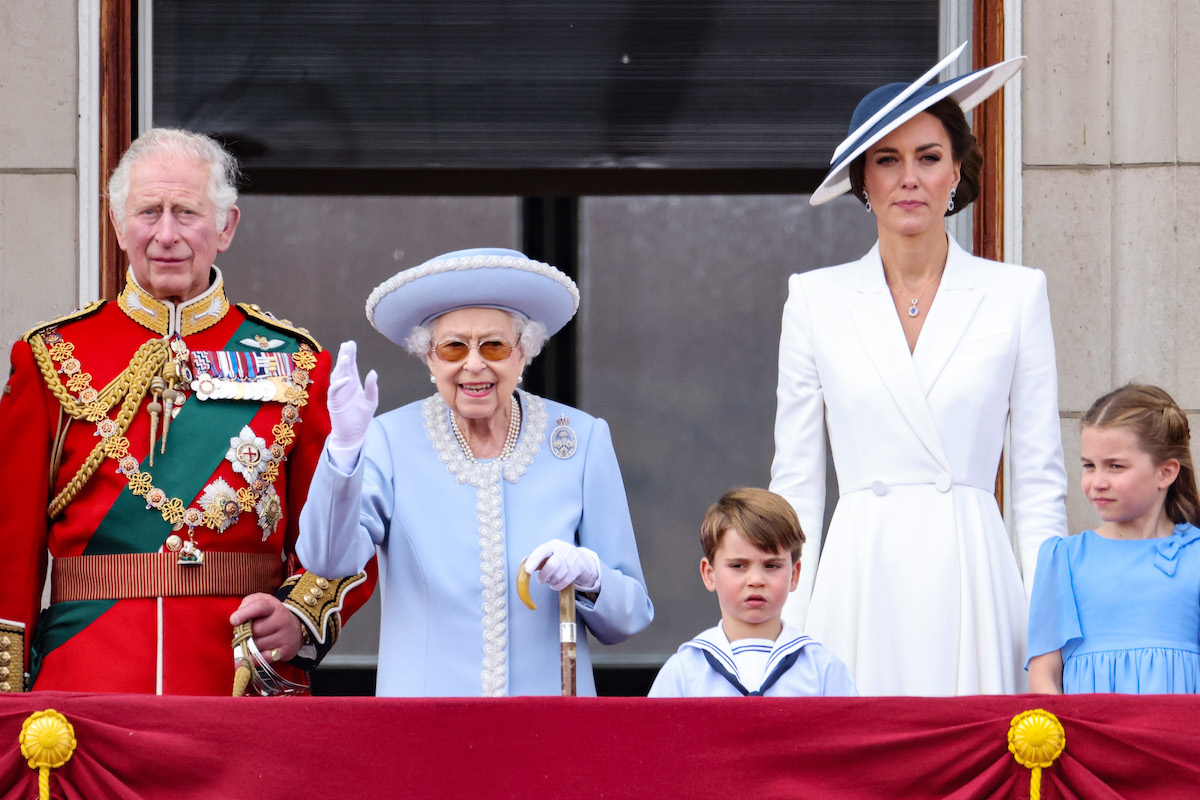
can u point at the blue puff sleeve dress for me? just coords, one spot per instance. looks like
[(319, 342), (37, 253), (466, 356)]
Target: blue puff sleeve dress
[(1124, 613)]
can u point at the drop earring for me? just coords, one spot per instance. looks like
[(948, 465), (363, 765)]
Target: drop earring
[(952, 193), (867, 200)]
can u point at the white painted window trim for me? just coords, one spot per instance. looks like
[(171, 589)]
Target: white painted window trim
[(88, 159), (1013, 198), (1013, 155), (955, 26), (145, 62)]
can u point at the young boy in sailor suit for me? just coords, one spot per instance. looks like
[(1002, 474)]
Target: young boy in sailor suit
[(751, 540)]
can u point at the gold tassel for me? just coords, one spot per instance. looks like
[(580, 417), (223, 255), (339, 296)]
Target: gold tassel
[(155, 408), (1036, 738), (48, 742)]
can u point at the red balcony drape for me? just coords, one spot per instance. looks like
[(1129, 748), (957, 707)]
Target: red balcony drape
[(173, 747)]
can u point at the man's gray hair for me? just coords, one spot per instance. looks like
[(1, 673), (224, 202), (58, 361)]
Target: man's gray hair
[(222, 177), (531, 336)]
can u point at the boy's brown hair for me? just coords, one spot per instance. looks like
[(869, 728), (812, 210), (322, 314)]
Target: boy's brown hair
[(762, 518)]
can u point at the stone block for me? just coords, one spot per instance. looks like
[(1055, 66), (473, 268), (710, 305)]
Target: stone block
[(1145, 286), (1187, 285), (1187, 57), (1080, 514), (1067, 85), (38, 251), (39, 84), (1068, 233), (1143, 82)]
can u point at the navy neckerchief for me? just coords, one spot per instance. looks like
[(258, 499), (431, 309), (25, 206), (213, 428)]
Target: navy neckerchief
[(783, 666)]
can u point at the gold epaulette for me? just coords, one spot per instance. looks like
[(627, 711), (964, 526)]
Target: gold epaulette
[(79, 313), (256, 313), (12, 657), (317, 601)]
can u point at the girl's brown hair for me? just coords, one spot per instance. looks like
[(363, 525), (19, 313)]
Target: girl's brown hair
[(1162, 431)]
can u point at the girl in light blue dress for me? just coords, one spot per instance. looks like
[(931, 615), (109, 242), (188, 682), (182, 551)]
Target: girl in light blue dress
[(1117, 609)]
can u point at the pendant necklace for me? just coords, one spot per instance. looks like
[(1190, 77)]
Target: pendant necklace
[(913, 310)]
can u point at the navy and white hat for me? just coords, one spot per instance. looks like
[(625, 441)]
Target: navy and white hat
[(890, 106), (483, 277)]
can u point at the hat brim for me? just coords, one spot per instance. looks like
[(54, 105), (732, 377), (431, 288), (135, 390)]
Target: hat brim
[(479, 278), (967, 90)]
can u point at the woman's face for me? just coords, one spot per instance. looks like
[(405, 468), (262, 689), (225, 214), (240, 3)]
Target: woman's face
[(908, 175), (476, 388)]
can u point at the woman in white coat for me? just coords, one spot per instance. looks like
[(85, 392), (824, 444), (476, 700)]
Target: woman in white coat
[(915, 359)]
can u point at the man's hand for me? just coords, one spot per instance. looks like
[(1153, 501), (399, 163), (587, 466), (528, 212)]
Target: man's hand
[(277, 632)]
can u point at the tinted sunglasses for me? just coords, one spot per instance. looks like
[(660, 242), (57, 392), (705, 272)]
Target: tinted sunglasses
[(490, 350)]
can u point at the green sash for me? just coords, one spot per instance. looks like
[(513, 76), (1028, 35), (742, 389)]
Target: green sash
[(198, 443)]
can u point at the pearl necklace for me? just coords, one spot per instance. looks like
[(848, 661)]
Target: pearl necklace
[(510, 441)]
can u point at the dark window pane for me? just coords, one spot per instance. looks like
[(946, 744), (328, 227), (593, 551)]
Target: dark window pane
[(554, 84), (678, 350)]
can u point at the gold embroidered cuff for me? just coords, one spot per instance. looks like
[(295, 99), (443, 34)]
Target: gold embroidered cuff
[(12, 656), (317, 601)]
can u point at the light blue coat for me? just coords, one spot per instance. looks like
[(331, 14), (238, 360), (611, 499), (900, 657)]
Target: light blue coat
[(451, 533)]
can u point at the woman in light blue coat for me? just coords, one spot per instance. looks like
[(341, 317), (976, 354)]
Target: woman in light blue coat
[(454, 491)]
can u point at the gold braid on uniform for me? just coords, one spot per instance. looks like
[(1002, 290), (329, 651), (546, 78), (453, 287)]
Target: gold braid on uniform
[(317, 601), (12, 657), (130, 387), (152, 358)]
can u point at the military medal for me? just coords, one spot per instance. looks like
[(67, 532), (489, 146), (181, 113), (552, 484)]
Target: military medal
[(190, 555), (249, 454), (159, 372), (237, 375), (563, 441), (220, 505)]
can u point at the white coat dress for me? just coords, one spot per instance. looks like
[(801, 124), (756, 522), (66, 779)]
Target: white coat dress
[(919, 587)]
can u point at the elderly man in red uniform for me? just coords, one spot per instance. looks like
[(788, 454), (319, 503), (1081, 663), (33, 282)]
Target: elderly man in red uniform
[(160, 448)]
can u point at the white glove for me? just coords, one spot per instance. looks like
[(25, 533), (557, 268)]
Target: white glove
[(565, 563), (352, 404)]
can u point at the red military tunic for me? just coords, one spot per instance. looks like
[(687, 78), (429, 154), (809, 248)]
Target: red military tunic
[(80, 487)]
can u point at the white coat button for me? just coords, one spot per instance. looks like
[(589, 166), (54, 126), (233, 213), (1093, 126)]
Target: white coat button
[(879, 488), (942, 483)]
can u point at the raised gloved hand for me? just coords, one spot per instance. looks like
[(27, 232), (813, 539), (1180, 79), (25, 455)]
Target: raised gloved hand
[(565, 563), (352, 404)]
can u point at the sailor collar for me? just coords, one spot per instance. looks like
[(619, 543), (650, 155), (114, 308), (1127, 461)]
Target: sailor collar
[(166, 319)]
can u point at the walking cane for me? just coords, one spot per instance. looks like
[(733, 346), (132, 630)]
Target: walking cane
[(566, 624)]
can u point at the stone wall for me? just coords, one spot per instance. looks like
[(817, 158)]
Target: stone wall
[(39, 229), (1111, 185)]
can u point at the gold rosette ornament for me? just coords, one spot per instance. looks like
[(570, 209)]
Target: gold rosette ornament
[(1036, 738), (48, 742)]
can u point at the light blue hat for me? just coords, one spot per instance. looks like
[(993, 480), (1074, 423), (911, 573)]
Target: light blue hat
[(888, 107), (483, 277)]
